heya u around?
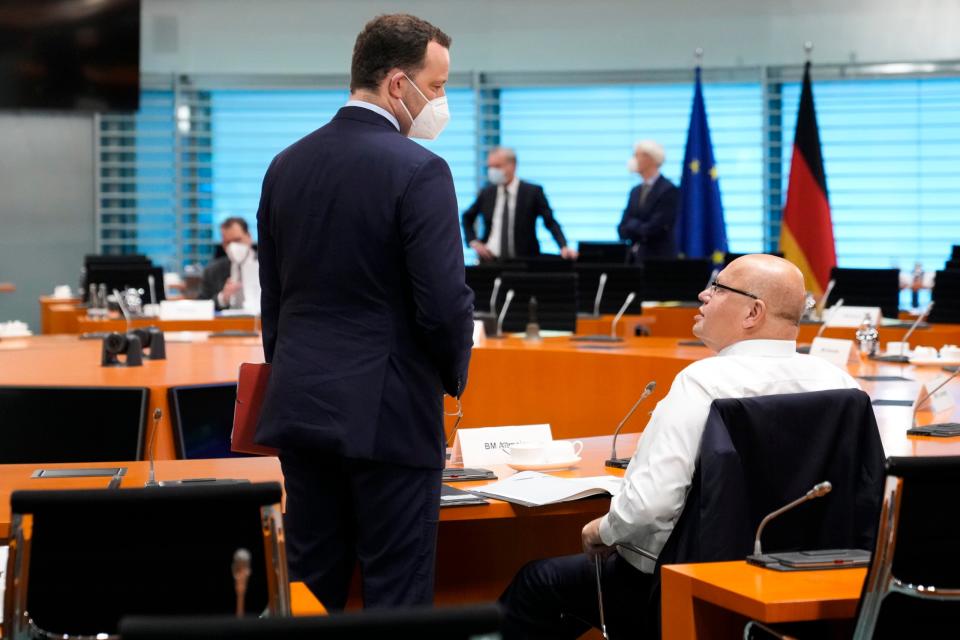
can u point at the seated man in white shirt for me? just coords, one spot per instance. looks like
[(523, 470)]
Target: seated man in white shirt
[(750, 317)]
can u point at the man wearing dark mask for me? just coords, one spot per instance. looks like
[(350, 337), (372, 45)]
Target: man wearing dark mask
[(367, 320), (510, 208)]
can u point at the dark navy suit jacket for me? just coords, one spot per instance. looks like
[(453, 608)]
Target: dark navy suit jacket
[(531, 204), (651, 227), (367, 319)]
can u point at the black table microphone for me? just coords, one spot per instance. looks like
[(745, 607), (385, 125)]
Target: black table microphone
[(621, 463), (820, 489)]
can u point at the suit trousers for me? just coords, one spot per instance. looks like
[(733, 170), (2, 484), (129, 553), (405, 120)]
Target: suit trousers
[(340, 511), (557, 598)]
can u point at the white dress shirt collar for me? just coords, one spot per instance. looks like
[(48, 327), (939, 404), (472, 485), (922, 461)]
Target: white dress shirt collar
[(511, 186), (376, 109), (767, 348)]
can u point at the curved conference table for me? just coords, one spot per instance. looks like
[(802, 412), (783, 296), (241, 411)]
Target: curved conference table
[(581, 389)]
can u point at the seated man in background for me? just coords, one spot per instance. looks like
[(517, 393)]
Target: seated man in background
[(220, 283), (510, 208), (648, 221), (749, 316)]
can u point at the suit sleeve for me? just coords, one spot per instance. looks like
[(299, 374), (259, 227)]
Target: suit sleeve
[(434, 257), (210, 285), (629, 227), (269, 269), (543, 210), (470, 220)]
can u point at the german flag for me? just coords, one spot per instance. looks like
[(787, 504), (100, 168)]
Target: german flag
[(806, 233)]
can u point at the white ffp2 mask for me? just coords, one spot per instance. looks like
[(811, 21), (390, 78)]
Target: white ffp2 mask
[(431, 120)]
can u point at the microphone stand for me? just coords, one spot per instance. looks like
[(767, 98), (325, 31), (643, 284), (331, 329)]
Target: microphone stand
[(596, 301), (152, 443), (931, 427), (818, 490), (503, 313), (613, 326), (621, 463)]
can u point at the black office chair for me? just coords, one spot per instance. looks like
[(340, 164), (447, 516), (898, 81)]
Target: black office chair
[(682, 280), (459, 623), (867, 288), (556, 295), (202, 420), (758, 454), (946, 297), (481, 278), (72, 424), (911, 588), (81, 560), (621, 280), (603, 252)]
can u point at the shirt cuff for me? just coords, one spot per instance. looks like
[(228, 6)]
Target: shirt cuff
[(606, 531)]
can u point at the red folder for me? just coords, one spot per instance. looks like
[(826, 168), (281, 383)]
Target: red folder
[(251, 388)]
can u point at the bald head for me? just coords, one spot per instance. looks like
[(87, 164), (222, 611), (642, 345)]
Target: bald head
[(778, 282), (758, 297)]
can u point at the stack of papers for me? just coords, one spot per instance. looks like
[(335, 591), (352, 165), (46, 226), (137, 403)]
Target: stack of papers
[(535, 489)]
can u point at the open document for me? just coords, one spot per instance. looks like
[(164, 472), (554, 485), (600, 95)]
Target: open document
[(534, 489)]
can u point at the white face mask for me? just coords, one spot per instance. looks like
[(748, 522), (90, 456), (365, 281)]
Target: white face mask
[(431, 120), (496, 176), (632, 165), (237, 252)]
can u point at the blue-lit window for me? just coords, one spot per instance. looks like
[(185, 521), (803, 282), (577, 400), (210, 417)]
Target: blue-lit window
[(251, 126), (575, 141)]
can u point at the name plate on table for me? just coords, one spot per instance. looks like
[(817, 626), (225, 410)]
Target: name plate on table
[(941, 400), (852, 317), (186, 310), (490, 445), (839, 352), (479, 333)]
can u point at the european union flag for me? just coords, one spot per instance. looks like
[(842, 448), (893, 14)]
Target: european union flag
[(701, 232)]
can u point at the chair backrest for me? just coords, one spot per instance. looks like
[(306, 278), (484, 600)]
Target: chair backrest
[(758, 454), (867, 288), (202, 417), (946, 296), (913, 585), (480, 278), (460, 623), (72, 424), (668, 279), (556, 295), (80, 560), (603, 252), (622, 279)]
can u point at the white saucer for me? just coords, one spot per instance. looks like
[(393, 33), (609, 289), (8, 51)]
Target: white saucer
[(544, 466), (935, 360)]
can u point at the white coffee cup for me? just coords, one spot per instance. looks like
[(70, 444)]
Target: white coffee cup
[(898, 348), (545, 452), (563, 450), (950, 352), (62, 291), (528, 452), (924, 353)]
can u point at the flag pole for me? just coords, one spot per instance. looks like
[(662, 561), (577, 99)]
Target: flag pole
[(808, 49), (698, 57)]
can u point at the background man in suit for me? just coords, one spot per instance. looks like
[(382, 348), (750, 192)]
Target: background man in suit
[(216, 283), (651, 211), (367, 320), (509, 208)]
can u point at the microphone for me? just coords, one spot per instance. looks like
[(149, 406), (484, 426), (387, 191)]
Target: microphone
[(503, 312), (820, 489), (613, 326), (493, 296), (614, 461), (828, 315), (826, 295), (240, 567), (913, 420), (123, 309), (600, 287), (913, 327), (151, 446), (152, 283)]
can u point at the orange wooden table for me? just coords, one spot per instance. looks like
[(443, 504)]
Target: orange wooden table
[(60, 315), (219, 323), (716, 599)]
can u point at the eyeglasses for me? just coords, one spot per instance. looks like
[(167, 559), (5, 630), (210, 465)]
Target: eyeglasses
[(716, 285)]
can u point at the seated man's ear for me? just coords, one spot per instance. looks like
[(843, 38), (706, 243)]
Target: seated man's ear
[(756, 315)]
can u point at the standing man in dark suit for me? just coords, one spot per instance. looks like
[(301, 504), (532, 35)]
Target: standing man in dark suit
[(648, 221), (510, 208), (367, 321)]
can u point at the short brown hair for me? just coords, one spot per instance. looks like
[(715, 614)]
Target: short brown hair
[(229, 222), (397, 40)]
